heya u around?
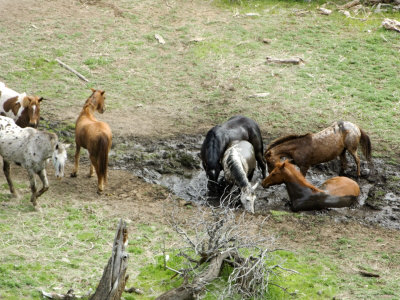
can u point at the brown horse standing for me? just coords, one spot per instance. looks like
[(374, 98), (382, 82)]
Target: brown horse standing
[(314, 148), (95, 136), (335, 192)]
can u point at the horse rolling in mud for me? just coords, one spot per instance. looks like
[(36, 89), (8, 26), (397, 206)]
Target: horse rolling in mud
[(30, 148), (95, 136), (219, 137), (239, 163), (314, 148), (335, 192)]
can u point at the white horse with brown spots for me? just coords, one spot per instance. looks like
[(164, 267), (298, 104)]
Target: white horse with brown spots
[(30, 148), (23, 109)]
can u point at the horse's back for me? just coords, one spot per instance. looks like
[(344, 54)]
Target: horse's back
[(87, 131), (246, 152), (341, 186)]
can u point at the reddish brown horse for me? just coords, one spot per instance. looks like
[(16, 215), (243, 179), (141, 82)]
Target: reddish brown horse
[(335, 192), (95, 136), (311, 149)]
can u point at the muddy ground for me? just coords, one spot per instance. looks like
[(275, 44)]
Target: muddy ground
[(174, 163)]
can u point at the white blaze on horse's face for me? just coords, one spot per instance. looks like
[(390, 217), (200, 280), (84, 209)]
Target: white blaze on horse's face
[(59, 159)]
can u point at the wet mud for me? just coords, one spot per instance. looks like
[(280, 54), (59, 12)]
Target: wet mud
[(174, 163)]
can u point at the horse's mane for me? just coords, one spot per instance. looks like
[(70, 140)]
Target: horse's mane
[(284, 139), (236, 169), (212, 147)]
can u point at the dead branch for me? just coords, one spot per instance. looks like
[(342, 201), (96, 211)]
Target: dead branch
[(72, 70), (391, 24), (220, 238), (134, 290), (350, 4), (68, 296), (113, 281), (293, 61)]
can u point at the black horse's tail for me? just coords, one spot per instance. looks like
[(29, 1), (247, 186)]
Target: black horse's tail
[(365, 145)]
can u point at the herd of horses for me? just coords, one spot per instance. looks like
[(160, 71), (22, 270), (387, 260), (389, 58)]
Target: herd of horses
[(234, 147), (23, 144)]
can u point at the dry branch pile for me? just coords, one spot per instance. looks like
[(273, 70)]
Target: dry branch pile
[(221, 238)]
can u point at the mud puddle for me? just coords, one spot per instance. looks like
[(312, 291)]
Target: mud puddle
[(174, 163)]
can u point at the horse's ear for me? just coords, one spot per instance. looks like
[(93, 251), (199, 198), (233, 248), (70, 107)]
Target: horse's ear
[(40, 99), (102, 92), (92, 89)]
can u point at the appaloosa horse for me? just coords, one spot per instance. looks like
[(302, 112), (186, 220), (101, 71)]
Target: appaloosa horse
[(30, 148), (95, 136), (23, 109), (239, 163), (220, 136), (311, 149), (335, 192)]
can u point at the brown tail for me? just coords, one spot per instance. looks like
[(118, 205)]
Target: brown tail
[(366, 145), (102, 156)]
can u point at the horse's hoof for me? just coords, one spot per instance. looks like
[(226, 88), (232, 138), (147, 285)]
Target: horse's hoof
[(73, 174), (99, 192)]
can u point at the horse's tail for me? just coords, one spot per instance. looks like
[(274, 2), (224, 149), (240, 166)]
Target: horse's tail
[(103, 146), (365, 145)]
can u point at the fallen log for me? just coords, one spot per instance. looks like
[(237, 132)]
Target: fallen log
[(113, 281), (293, 61)]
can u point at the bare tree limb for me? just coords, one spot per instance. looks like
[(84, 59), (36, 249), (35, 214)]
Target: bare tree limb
[(72, 70)]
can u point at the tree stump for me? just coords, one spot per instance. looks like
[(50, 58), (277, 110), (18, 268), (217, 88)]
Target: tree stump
[(113, 281)]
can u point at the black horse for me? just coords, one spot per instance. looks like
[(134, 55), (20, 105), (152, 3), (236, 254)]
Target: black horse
[(220, 136)]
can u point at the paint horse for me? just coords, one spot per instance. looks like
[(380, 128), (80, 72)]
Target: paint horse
[(30, 148), (239, 163), (95, 136), (335, 192), (311, 149), (23, 109), (219, 137)]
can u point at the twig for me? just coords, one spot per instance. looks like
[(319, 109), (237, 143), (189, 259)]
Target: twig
[(72, 70), (368, 274)]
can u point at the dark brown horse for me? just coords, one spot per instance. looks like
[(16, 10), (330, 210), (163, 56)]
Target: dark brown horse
[(95, 136), (219, 137), (314, 148), (335, 192)]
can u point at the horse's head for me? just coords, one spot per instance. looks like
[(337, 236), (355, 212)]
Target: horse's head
[(276, 176), (31, 110), (97, 100), (60, 158), (248, 197), (271, 160)]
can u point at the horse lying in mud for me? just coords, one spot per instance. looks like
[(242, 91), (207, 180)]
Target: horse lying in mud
[(335, 192), (95, 136), (239, 163), (311, 149), (219, 137), (30, 148), (23, 109)]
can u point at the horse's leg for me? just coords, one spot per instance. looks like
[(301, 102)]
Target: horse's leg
[(45, 182), (100, 177), (261, 163), (91, 170), (343, 161), (32, 181), (353, 153), (250, 175), (76, 165), (6, 169)]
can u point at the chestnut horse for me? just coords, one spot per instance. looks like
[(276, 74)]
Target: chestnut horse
[(335, 192), (219, 137), (314, 148), (95, 136)]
